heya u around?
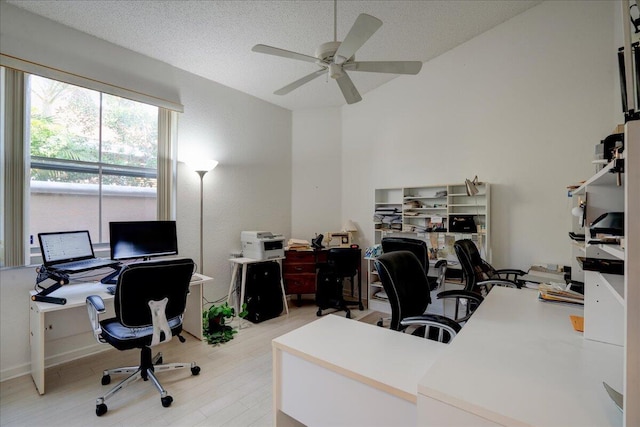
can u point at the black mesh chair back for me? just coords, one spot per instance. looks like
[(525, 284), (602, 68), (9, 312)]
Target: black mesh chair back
[(344, 262), (407, 288), (152, 280), (469, 258), (416, 246), (405, 283), (479, 275)]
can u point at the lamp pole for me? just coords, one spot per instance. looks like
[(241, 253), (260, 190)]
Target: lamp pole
[(202, 174), (202, 166)]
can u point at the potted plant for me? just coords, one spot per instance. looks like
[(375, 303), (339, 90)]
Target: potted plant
[(215, 321)]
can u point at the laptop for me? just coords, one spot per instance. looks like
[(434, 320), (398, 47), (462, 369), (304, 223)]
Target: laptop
[(70, 252)]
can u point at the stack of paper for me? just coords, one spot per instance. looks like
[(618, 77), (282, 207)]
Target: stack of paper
[(556, 293), (298, 245)]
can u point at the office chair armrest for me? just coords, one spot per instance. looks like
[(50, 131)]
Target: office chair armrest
[(510, 272), (440, 263), (472, 299), (499, 282), (461, 294), (433, 320), (95, 307)]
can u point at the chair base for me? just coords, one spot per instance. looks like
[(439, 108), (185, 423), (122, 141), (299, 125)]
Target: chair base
[(340, 305), (147, 369)]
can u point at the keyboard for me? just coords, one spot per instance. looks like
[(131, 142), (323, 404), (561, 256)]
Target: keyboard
[(85, 264)]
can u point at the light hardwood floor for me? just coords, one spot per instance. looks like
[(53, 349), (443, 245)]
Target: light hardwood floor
[(233, 388)]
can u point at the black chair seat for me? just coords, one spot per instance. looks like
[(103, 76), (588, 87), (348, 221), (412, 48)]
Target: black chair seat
[(124, 338)]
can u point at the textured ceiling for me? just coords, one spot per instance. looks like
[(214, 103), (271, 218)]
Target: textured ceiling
[(213, 39)]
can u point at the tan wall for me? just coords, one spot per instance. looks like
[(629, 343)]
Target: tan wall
[(63, 212)]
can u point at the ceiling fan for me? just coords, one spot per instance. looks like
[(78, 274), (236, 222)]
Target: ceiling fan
[(338, 57)]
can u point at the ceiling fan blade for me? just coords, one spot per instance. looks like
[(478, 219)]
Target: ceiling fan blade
[(270, 50), (394, 67), (348, 89), (362, 29), (288, 88)]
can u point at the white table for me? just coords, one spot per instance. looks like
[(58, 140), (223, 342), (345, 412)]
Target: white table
[(518, 362), (44, 319), (242, 262), (338, 371)]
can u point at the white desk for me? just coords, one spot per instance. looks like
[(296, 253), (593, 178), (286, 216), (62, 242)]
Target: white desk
[(338, 371), (76, 294), (243, 262), (518, 362)]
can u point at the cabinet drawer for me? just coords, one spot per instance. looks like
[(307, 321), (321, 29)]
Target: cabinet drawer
[(299, 268), (300, 256), (300, 284)]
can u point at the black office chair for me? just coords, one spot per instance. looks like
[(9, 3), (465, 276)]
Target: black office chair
[(406, 286), (419, 249), (479, 275), (342, 263), (149, 303)]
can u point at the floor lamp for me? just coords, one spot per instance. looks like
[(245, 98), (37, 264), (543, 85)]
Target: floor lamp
[(202, 166)]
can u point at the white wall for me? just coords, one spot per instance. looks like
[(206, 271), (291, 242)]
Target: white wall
[(316, 187), (522, 106), (250, 189)]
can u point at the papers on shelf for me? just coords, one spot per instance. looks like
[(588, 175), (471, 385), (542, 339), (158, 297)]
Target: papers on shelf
[(555, 292)]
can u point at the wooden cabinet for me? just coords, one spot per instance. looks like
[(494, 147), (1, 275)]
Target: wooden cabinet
[(299, 271)]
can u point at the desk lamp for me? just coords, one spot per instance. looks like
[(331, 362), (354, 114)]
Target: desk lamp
[(202, 166), (350, 228)]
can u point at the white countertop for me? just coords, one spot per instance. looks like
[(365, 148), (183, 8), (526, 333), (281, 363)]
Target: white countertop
[(387, 360), (520, 362)]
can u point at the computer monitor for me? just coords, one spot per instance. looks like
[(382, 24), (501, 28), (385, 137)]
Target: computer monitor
[(142, 239)]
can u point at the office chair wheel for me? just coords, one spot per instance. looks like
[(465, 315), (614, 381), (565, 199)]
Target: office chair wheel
[(106, 379), (319, 313), (166, 401), (160, 361), (195, 370), (348, 316), (101, 409), (379, 323)]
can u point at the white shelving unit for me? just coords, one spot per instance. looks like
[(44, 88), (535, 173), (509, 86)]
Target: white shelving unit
[(425, 212), (604, 301), (612, 302)]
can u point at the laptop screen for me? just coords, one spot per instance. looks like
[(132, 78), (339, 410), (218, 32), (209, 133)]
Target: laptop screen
[(65, 246)]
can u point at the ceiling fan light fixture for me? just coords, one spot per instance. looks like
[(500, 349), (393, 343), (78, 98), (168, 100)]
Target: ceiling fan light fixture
[(335, 71)]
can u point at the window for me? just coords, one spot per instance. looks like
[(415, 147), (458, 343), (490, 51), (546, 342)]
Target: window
[(94, 159)]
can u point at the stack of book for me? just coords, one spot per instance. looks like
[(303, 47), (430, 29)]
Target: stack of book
[(556, 293)]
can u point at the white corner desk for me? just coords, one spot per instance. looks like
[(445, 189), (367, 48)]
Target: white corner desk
[(338, 371), (45, 320), (517, 362)]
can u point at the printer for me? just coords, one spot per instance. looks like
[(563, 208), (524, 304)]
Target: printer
[(262, 245)]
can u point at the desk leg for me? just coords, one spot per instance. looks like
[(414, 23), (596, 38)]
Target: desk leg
[(284, 294), (234, 272), (192, 322), (242, 287), (36, 339)]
